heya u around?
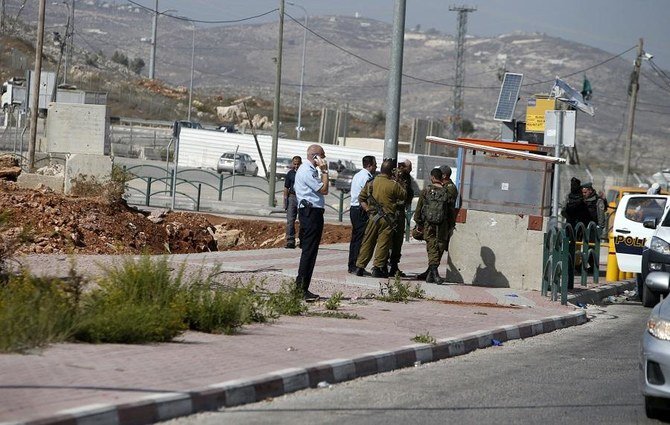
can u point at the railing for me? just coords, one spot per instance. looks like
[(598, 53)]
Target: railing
[(560, 256)]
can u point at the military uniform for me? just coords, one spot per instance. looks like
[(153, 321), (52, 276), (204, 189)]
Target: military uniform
[(405, 181), (437, 236), (387, 194)]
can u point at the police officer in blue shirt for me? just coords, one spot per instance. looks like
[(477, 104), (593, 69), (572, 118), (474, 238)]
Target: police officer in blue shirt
[(311, 184)]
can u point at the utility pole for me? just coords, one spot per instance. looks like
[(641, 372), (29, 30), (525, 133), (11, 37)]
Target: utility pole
[(35, 86), (69, 39), (2, 16), (460, 67), (634, 85), (152, 57), (275, 110), (395, 83)]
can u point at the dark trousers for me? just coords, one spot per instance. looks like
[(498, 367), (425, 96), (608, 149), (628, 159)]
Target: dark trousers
[(359, 219), (311, 225), (291, 215)]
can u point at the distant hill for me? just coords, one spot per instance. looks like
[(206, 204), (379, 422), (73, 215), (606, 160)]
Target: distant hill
[(239, 59)]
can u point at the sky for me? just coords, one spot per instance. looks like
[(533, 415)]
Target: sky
[(611, 25)]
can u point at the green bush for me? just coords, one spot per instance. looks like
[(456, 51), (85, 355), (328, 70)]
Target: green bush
[(333, 303), (138, 301), (216, 310), (287, 301), (34, 312), (399, 291)]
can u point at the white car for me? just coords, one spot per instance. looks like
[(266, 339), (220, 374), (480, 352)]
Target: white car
[(655, 361)]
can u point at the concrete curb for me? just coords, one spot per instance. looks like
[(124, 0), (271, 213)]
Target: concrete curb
[(591, 296), (166, 406)]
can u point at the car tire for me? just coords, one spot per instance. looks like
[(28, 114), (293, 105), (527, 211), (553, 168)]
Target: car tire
[(640, 285), (649, 298), (651, 407), (255, 172)]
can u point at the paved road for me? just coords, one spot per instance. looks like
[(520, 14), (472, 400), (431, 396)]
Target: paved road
[(584, 374)]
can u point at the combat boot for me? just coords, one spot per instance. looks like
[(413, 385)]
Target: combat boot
[(423, 276), (393, 270), (379, 272), (434, 276)]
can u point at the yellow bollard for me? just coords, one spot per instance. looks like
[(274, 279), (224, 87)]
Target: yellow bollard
[(612, 273)]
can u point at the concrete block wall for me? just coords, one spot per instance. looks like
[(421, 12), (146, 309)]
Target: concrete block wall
[(78, 128), (496, 250), (77, 165), (34, 181)]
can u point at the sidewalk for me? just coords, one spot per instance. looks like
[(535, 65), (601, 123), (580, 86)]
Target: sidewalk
[(139, 384)]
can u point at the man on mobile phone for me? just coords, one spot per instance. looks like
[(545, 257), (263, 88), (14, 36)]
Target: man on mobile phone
[(311, 185)]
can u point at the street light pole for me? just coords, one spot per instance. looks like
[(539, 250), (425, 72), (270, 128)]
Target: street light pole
[(302, 69), (152, 57), (190, 87)]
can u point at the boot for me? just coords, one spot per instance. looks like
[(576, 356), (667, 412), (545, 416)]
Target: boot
[(393, 270), (434, 276), (423, 276), (379, 272)]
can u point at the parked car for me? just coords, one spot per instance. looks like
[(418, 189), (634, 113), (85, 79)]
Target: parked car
[(655, 361), (343, 180), (284, 165), (639, 241), (655, 258), (336, 166), (241, 163)]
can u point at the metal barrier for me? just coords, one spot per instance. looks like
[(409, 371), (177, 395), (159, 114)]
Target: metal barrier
[(560, 257)]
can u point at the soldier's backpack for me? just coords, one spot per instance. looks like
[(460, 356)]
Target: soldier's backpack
[(434, 207)]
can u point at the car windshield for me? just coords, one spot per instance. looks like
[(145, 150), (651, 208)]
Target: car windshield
[(643, 208), (284, 161)]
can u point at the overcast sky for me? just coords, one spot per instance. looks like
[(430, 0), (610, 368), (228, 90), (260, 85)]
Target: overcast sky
[(612, 25)]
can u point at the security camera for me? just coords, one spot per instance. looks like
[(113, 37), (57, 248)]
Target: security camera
[(647, 56)]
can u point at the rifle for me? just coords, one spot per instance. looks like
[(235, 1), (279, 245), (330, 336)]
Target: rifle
[(381, 214)]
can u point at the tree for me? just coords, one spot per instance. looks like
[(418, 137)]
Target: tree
[(137, 65), (120, 58), (467, 127)]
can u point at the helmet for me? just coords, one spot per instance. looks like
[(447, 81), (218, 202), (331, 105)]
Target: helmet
[(417, 233), (655, 189)]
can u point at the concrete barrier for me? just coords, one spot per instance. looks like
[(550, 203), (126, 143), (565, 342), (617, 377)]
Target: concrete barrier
[(34, 181), (91, 166)]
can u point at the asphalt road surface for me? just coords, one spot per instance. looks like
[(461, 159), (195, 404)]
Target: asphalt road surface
[(581, 375)]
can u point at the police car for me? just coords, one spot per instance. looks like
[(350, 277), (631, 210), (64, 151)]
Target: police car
[(641, 233)]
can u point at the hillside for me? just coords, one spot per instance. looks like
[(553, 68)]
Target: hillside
[(238, 60)]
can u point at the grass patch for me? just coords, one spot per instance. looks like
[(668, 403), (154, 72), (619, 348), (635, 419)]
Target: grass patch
[(426, 338), (333, 303), (218, 310), (137, 301), (398, 291), (334, 315), (34, 312)]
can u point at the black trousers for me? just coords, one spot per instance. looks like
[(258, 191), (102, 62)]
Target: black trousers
[(311, 225), (359, 219)]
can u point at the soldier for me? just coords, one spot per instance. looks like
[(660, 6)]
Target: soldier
[(379, 198), (435, 215), (403, 177)]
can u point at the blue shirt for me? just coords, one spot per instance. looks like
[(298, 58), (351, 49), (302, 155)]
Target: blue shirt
[(307, 185), (357, 184)]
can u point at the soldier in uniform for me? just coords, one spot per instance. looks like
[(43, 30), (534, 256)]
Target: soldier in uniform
[(379, 198), (437, 235), (403, 177)]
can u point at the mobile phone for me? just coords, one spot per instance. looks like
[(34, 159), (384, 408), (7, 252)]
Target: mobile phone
[(315, 157)]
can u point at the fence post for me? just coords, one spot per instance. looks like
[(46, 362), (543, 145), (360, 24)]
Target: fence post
[(341, 205), (148, 195), (197, 205), (220, 185)]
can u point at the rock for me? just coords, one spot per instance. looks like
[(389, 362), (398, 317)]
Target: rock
[(226, 238)]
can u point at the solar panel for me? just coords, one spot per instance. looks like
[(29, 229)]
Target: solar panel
[(509, 93)]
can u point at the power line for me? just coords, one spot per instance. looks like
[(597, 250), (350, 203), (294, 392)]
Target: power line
[(182, 18)]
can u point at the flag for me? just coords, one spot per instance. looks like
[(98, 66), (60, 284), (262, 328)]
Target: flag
[(587, 91)]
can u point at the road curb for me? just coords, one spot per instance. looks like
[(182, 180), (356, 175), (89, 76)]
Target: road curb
[(592, 296), (171, 405)]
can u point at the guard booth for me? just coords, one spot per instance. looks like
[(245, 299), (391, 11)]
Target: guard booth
[(503, 212)]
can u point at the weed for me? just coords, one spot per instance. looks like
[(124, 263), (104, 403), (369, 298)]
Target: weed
[(287, 301), (111, 190), (426, 338), (399, 291), (334, 315), (138, 301), (34, 312), (217, 310), (333, 303)]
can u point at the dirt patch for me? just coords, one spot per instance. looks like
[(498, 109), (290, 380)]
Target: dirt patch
[(53, 223)]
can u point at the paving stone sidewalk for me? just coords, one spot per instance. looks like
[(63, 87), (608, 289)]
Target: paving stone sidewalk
[(139, 384)]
